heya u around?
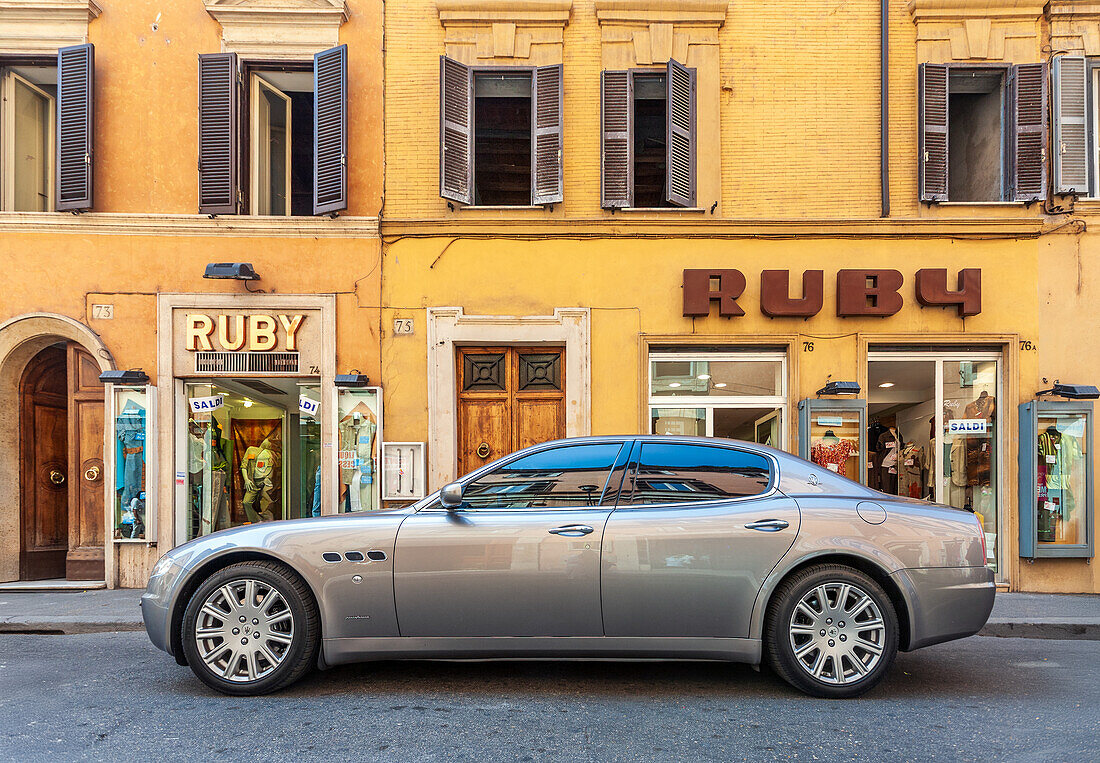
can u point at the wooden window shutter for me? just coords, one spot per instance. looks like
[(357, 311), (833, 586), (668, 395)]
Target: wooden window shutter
[(330, 130), (546, 137), (456, 131), (680, 135), (219, 97), (932, 118), (617, 115), (1071, 153), (75, 114), (1029, 139)]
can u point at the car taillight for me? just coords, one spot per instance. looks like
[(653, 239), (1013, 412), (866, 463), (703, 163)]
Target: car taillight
[(981, 534)]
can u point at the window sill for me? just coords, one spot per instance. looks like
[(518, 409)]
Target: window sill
[(981, 203), (499, 207), (181, 224), (134, 540), (663, 210)]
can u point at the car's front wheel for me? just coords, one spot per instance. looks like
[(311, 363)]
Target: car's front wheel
[(251, 628), (831, 631)]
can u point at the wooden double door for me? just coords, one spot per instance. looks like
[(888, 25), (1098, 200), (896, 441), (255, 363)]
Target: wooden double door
[(61, 466), (508, 398)]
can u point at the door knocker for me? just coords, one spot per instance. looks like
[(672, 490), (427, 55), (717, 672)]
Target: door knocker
[(483, 450), (57, 477), (91, 473)]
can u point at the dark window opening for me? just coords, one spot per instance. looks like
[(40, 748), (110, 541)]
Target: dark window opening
[(976, 157), (281, 142), (650, 140), (502, 139)]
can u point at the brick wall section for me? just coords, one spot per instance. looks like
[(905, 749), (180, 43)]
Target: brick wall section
[(799, 111)]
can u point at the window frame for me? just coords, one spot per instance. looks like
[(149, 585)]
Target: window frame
[(250, 71), (257, 83), (1092, 110), (1008, 128), (779, 402), (7, 129), (632, 466), (475, 72)]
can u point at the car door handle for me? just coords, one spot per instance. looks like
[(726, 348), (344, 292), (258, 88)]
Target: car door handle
[(571, 531), (768, 525)]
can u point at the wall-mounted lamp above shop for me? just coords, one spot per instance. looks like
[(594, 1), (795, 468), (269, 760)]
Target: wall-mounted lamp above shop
[(237, 271), (839, 388), (1072, 391), (133, 376), (354, 379)]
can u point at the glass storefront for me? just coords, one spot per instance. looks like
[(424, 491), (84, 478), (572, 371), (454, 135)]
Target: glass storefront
[(252, 452), (133, 458), (742, 396), (933, 433), (1062, 449), (358, 458)]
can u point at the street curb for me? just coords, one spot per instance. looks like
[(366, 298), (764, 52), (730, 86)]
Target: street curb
[(47, 626), (1053, 628)]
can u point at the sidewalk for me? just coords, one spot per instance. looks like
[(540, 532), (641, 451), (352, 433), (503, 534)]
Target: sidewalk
[(1015, 615)]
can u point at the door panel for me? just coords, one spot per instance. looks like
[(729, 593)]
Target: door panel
[(498, 573), (84, 560), (484, 429), (508, 398), (537, 421), (690, 571), (44, 468)]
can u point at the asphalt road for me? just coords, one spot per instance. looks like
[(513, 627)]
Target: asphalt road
[(112, 696)]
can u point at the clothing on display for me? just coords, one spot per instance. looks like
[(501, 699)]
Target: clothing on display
[(130, 432), (258, 454), (1059, 454), (257, 471), (358, 464), (886, 452), (978, 451), (833, 455), (912, 471)]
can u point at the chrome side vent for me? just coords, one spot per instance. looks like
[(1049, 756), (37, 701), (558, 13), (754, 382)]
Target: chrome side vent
[(376, 556), (354, 556), (330, 556)]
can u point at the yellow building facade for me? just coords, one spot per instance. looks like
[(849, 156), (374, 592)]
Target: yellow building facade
[(800, 258), (101, 476)]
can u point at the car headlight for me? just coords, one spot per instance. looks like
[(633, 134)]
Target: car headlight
[(162, 566)]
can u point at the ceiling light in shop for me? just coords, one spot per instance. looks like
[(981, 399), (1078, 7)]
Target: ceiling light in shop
[(884, 385), (703, 377), (674, 384), (720, 384), (247, 403)]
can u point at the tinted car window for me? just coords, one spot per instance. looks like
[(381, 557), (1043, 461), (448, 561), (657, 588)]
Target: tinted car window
[(573, 476), (680, 473)]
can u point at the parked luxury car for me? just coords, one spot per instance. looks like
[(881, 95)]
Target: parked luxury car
[(593, 547)]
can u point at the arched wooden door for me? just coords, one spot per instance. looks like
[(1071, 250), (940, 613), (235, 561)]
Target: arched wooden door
[(61, 466)]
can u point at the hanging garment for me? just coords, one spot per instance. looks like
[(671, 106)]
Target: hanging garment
[(979, 449), (833, 456), (130, 430), (257, 470), (912, 470)]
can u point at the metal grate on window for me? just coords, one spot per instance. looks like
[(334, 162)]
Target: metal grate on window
[(246, 362)]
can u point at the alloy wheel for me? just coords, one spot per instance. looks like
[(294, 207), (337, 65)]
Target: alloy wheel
[(244, 630), (837, 633)]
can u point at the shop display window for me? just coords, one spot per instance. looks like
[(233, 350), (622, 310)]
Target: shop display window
[(933, 432), (740, 396), (132, 418), (1056, 484), (250, 453), (358, 457), (831, 434)]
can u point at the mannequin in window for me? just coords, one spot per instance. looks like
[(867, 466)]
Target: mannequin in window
[(358, 429), (1058, 456), (979, 448), (257, 471), (888, 446), (216, 515), (912, 470)]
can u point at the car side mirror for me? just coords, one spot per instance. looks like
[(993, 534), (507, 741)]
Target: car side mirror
[(451, 496)]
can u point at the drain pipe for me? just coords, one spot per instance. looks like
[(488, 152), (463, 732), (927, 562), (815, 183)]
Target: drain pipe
[(884, 104)]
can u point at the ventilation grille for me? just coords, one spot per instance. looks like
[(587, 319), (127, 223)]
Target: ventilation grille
[(246, 362)]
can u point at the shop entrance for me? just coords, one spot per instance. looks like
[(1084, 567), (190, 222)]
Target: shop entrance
[(61, 465), (250, 452), (508, 398), (933, 432)]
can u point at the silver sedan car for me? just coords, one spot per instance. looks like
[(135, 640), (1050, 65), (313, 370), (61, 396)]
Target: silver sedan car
[(624, 547)]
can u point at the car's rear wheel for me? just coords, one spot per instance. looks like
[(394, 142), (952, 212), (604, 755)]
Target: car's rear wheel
[(251, 628), (831, 631)]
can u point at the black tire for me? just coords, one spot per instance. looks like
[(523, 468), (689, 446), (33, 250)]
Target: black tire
[(295, 659), (780, 643)]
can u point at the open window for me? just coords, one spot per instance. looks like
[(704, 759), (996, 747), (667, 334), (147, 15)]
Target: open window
[(46, 131), (982, 132), (273, 138), (648, 137), (500, 134)]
